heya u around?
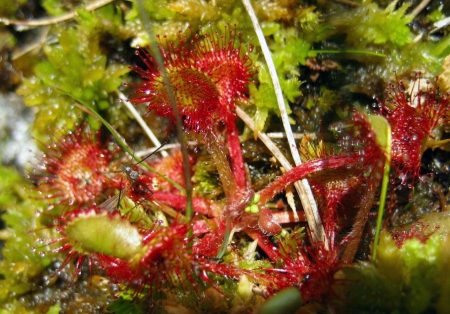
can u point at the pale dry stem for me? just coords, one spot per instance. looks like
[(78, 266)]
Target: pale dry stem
[(420, 7), (52, 20), (141, 122), (303, 188)]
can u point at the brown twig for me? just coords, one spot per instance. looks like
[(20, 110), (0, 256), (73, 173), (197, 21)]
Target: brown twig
[(420, 7), (348, 2), (52, 20)]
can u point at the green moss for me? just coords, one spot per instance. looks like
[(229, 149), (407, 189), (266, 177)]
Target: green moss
[(285, 301), (206, 181), (22, 261), (9, 9), (436, 15), (326, 102), (409, 279), (290, 240), (370, 27), (249, 260), (263, 97), (74, 64), (309, 21), (275, 10), (55, 309), (370, 24), (54, 7), (124, 306), (157, 10), (291, 47)]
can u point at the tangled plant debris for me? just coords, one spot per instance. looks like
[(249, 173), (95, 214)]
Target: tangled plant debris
[(103, 224)]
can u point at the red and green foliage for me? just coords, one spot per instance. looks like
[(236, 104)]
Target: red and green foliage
[(137, 250), (413, 117), (131, 222)]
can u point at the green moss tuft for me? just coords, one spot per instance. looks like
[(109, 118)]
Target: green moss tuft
[(407, 279), (369, 24), (22, 262), (76, 65)]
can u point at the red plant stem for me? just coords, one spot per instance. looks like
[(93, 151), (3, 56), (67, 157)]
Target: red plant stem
[(287, 216), (265, 244), (234, 147), (200, 227), (179, 202), (300, 172)]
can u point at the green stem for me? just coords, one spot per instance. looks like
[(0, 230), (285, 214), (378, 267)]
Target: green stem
[(180, 133), (226, 237), (364, 52), (384, 188), (384, 139)]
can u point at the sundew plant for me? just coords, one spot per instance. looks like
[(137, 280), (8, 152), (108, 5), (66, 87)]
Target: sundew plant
[(225, 156)]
